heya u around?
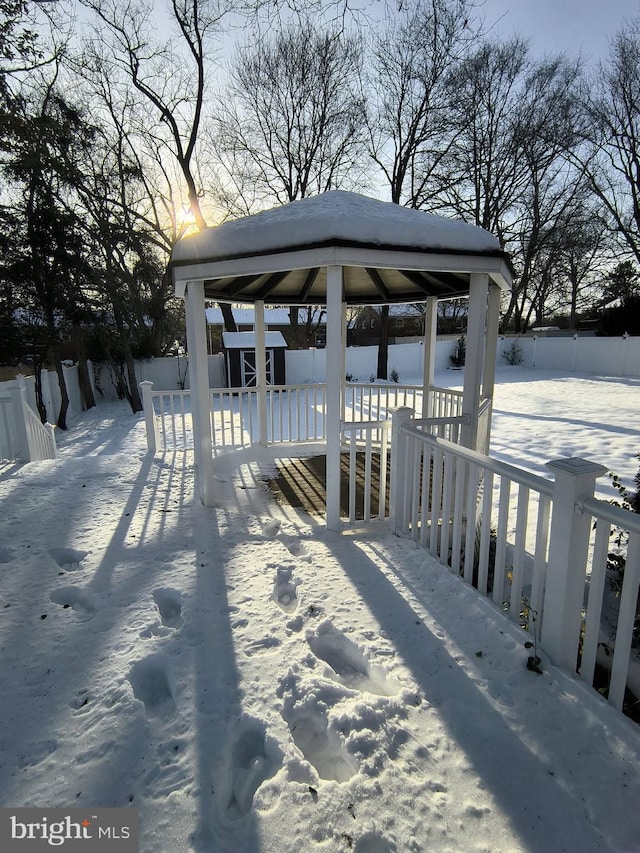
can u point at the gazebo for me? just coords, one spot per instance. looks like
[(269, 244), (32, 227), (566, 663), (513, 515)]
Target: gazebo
[(339, 249)]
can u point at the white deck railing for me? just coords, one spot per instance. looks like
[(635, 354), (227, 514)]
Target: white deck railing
[(501, 528), (294, 412)]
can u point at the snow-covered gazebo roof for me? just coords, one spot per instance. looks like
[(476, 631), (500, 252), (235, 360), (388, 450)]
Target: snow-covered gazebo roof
[(389, 254)]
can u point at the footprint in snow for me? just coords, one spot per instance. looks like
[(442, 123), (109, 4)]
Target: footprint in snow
[(297, 548), (254, 758), (271, 528), (6, 555), (82, 601), (348, 661), (371, 842), (320, 745), (263, 644), (150, 683), (169, 604), (81, 701), (284, 590), (68, 559)]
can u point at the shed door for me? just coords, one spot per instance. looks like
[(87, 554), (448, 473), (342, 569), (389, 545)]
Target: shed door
[(248, 366)]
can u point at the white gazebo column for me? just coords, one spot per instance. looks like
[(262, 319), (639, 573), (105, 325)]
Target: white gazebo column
[(474, 356), (261, 371), (491, 341), (199, 384), (335, 378), (429, 354)]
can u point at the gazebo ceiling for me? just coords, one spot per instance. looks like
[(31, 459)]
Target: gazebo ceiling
[(388, 253)]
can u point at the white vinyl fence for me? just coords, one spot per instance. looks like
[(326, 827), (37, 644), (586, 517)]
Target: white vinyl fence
[(22, 435)]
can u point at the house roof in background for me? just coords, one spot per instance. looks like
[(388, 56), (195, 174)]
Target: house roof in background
[(246, 316), (247, 340)]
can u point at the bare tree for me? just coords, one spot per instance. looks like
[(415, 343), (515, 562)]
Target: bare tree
[(293, 120), (483, 176), (293, 125), (410, 119), (611, 154), (170, 79)]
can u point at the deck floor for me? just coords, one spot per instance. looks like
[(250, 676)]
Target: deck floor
[(301, 483)]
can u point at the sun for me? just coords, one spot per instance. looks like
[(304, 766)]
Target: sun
[(185, 221)]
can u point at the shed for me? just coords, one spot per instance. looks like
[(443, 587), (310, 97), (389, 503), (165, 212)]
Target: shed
[(240, 358)]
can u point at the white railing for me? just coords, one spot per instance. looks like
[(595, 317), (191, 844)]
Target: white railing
[(296, 413), (367, 443), (611, 623), (293, 412), (538, 548)]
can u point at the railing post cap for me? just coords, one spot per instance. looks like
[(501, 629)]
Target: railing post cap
[(402, 412), (577, 467), (146, 382)]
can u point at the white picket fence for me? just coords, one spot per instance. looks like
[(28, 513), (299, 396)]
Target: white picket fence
[(538, 548), (22, 435)]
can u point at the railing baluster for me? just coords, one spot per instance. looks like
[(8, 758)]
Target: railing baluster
[(501, 542), (367, 477), (540, 557), (517, 577), (626, 622), (436, 500), (485, 532), (353, 460), (460, 477), (447, 495), (594, 603), (426, 498), (471, 514)]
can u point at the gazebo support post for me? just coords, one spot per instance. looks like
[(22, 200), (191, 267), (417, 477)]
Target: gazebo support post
[(335, 378), (491, 345), (429, 354), (261, 371), (474, 356), (199, 384)]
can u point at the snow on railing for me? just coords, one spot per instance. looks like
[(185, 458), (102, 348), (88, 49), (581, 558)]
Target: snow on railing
[(538, 548)]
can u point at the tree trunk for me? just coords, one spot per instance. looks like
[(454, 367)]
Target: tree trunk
[(64, 397), (228, 318), (133, 392), (294, 341), (77, 336), (383, 343)]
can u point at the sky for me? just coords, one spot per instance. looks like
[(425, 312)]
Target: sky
[(574, 26), (251, 683)]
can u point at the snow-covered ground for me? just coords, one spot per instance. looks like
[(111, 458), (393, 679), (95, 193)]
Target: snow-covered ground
[(250, 682)]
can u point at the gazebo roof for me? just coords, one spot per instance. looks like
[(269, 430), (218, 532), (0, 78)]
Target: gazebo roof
[(389, 253)]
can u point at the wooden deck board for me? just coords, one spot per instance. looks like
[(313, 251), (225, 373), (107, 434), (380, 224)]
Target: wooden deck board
[(301, 483)]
